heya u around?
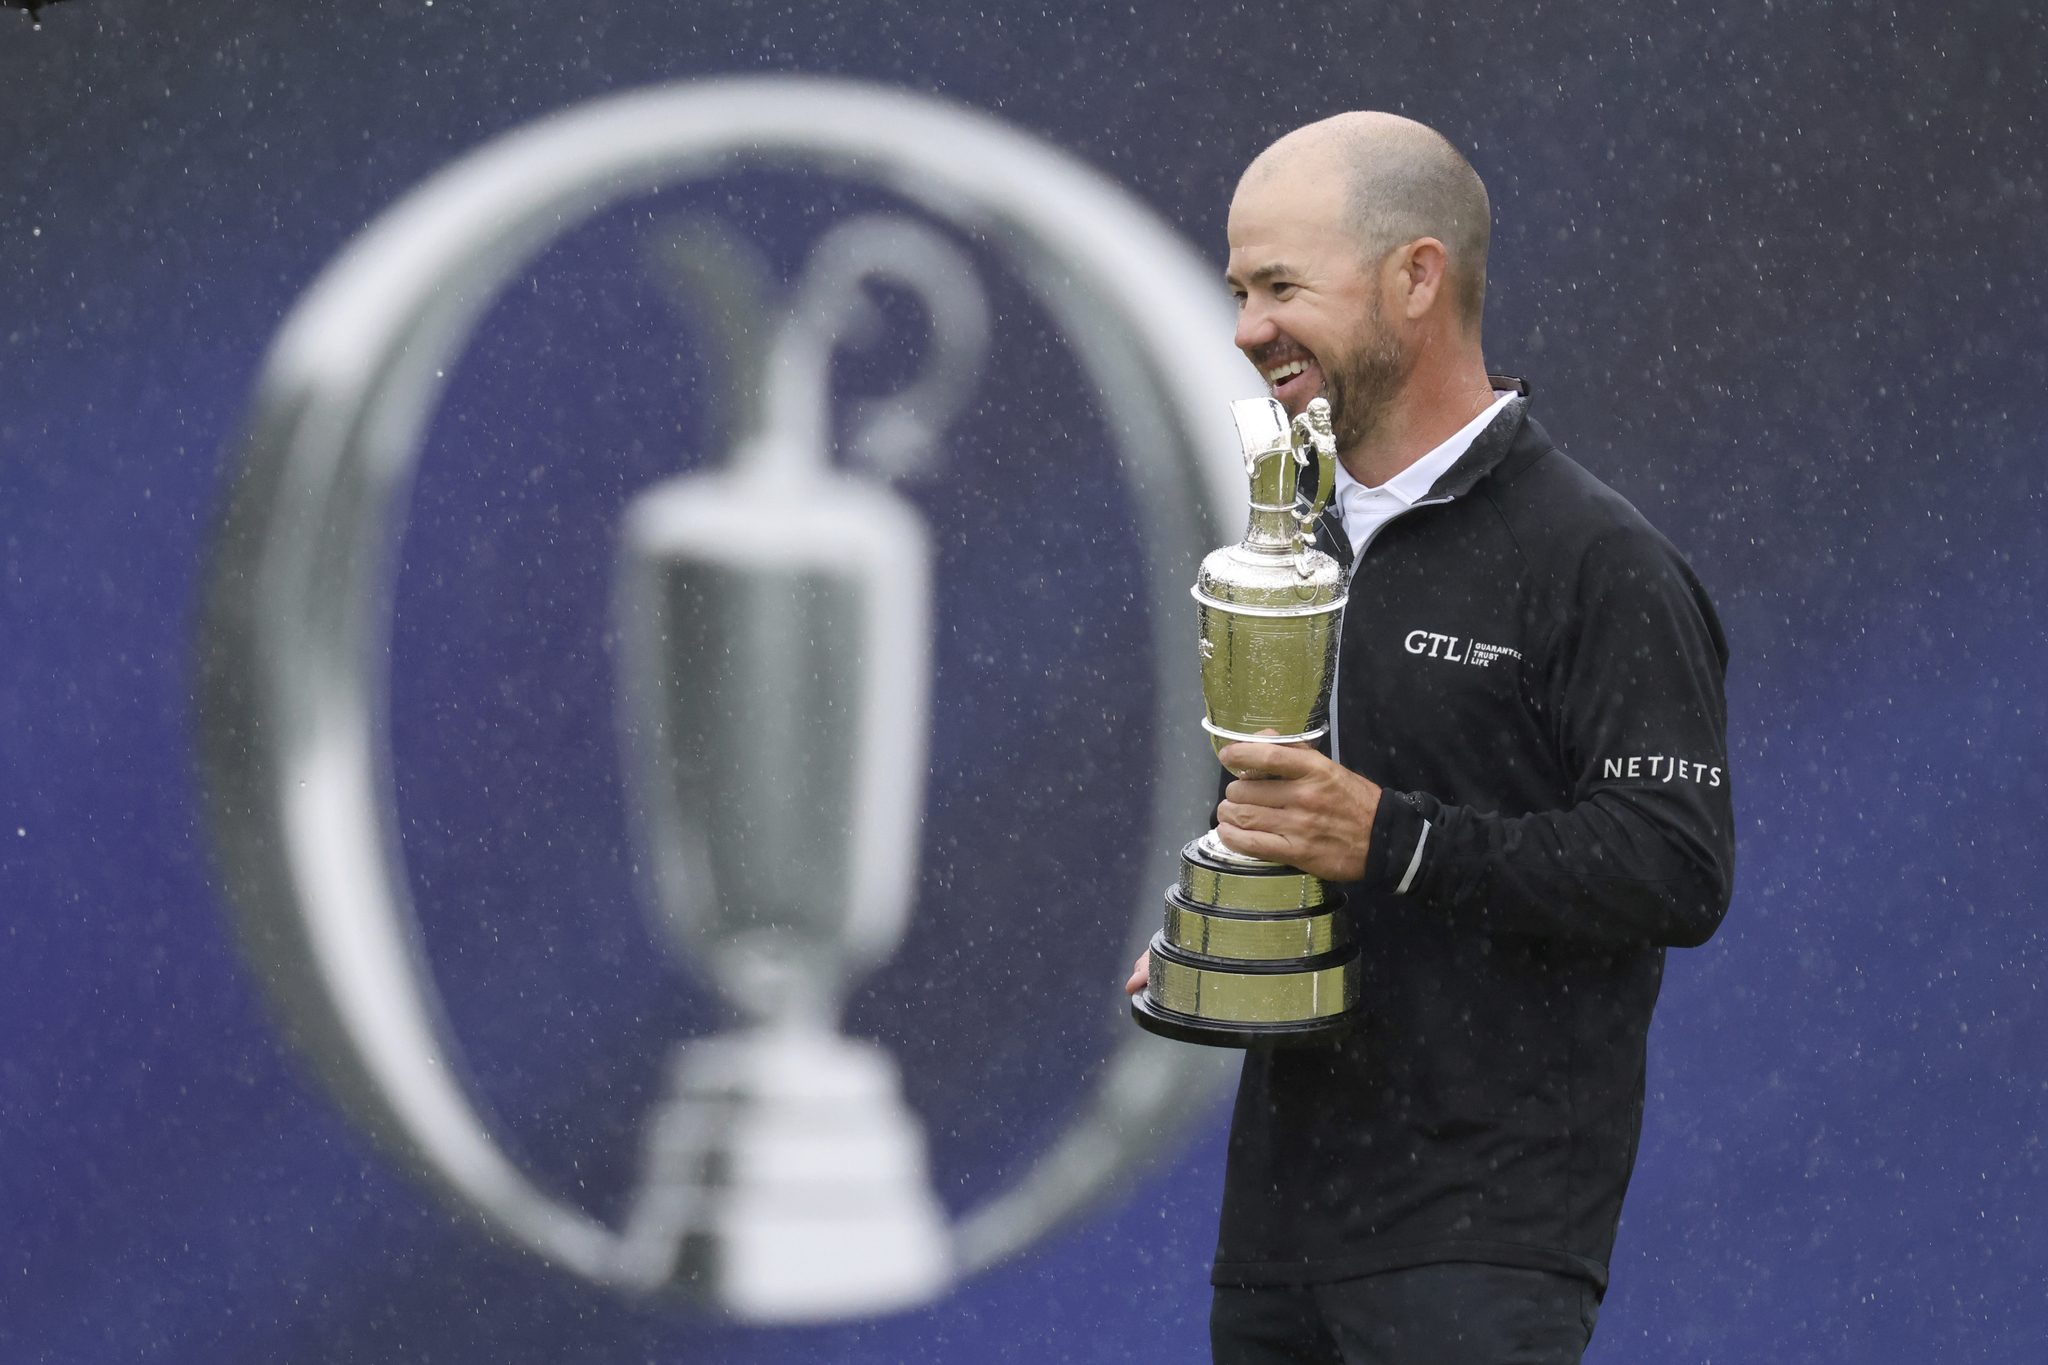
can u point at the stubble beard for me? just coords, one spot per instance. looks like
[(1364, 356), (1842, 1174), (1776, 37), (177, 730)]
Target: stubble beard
[(1363, 383)]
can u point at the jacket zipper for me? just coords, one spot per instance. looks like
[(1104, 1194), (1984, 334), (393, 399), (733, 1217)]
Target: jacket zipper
[(1357, 557)]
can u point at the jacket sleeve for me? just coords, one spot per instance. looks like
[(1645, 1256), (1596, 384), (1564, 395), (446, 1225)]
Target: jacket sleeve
[(1645, 852)]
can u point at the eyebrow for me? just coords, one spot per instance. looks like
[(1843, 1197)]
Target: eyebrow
[(1262, 274)]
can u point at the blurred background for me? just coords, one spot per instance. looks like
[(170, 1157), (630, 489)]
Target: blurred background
[(1774, 272)]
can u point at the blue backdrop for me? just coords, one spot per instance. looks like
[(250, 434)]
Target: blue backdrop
[(1775, 274)]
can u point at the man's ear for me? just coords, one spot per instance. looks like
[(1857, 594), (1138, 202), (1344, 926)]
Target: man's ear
[(1420, 268)]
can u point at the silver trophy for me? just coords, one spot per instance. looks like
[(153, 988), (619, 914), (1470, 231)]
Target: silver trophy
[(1255, 953), (774, 628)]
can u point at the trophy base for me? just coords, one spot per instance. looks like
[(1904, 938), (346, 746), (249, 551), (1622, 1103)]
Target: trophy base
[(788, 1183), (1253, 954), (1184, 1028), (1248, 1002)]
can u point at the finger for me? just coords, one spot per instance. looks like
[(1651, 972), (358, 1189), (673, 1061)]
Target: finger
[(1261, 817), (1253, 843), (1264, 792), (1141, 974), (1264, 821), (1240, 814), (1277, 760), (1291, 744)]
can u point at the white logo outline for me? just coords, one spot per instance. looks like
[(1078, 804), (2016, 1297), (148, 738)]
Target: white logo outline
[(292, 743)]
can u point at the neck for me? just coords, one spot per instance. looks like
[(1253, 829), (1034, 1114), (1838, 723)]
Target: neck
[(1431, 406)]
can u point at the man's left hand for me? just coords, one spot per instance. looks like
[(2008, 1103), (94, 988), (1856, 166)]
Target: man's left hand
[(1307, 812)]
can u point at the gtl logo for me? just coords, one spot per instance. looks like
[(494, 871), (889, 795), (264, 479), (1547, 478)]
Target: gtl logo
[(1477, 654)]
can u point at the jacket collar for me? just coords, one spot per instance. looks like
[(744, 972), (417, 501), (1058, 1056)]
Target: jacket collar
[(1509, 433), (1487, 450)]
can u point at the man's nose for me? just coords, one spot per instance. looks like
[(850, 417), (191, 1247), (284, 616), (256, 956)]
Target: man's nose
[(1255, 326)]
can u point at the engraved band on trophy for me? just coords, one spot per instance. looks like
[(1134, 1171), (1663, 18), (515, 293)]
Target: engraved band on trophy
[(1256, 953)]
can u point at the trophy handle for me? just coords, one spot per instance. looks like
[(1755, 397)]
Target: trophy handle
[(1312, 430)]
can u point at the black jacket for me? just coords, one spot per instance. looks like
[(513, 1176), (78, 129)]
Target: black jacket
[(1535, 677)]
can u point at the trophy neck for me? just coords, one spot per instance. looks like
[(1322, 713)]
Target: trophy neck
[(781, 981), (1271, 531), (1274, 477)]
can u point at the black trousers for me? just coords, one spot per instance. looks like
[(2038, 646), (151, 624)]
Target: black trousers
[(1457, 1313)]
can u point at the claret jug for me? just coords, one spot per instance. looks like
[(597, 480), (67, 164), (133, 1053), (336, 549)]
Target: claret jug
[(1255, 953)]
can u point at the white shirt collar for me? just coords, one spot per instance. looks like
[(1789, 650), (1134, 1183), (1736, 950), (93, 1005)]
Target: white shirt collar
[(1412, 484)]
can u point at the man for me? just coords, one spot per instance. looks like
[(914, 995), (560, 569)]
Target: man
[(1527, 801)]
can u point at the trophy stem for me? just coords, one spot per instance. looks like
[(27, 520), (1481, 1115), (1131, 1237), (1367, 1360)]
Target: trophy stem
[(1214, 850)]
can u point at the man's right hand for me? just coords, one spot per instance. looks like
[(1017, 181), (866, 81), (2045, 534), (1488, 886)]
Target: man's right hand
[(1141, 973)]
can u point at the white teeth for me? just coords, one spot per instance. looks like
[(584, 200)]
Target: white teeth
[(1285, 372)]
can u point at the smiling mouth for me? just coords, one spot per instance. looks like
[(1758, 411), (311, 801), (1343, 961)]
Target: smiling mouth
[(1294, 381)]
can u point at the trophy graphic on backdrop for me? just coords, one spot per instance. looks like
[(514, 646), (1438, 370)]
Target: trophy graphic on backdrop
[(294, 650), (774, 624), (1258, 954)]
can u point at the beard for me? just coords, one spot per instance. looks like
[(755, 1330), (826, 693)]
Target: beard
[(1361, 383)]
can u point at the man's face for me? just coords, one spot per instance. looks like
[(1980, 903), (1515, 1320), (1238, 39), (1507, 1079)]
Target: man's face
[(1309, 314)]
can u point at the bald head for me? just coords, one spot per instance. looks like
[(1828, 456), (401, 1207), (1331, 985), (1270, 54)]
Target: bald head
[(1401, 181)]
